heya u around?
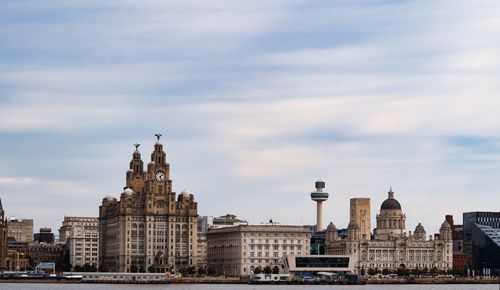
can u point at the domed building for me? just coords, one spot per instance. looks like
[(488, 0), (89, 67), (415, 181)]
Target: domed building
[(390, 246), (149, 228), (390, 220)]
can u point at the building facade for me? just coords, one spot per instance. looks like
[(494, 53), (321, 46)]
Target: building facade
[(360, 214), (81, 236), (3, 239), (238, 250), (471, 220), (391, 247), (44, 236), (209, 222), (482, 241), (21, 230), (150, 227)]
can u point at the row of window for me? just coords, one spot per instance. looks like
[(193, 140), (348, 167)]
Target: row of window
[(260, 241), (275, 247), (266, 254), (298, 235)]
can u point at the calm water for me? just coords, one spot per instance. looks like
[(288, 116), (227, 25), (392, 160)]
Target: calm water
[(239, 287)]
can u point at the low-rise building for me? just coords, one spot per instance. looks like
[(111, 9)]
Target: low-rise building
[(44, 253), (81, 236), (238, 250)]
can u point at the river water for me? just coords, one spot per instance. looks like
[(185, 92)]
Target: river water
[(22, 286)]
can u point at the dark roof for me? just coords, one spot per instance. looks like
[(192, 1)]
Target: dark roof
[(390, 203)]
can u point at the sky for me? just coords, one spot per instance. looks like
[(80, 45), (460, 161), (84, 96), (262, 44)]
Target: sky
[(255, 101)]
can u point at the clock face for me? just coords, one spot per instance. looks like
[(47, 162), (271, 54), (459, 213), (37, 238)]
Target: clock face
[(160, 176)]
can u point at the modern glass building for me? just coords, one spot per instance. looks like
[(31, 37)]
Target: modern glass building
[(482, 241)]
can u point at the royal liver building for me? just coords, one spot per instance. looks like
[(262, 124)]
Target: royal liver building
[(150, 228), (391, 247)]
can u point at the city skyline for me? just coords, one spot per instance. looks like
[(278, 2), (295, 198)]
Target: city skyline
[(255, 103)]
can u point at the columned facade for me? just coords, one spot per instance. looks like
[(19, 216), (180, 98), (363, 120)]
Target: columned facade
[(392, 247)]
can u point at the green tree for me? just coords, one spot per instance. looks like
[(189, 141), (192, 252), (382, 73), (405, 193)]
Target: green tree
[(385, 271), (402, 271), (363, 271), (371, 271), (191, 270), (210, 271), (457, 271), (425, 271), (202, 271), (276, 270), (257, 270), (267, 270)]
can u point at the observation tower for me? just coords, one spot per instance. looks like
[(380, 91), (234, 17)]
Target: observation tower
[(319, 196)]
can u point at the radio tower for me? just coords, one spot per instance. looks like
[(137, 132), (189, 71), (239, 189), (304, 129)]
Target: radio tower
[(319, 196)]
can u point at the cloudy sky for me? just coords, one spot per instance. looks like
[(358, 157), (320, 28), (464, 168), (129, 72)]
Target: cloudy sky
[(255, 101)]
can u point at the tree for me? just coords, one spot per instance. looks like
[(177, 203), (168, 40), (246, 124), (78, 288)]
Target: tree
[(210, 271), (434, 271), (257, 270), (457, 271), (425, 271), (191, 270), (371, 271), (202, 271), (267, 270), (385, 271), (63, 265), (402, 271), (276, 270), (88, 268), (363, 271)]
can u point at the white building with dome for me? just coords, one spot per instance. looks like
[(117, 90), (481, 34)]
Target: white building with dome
[(390, 246)]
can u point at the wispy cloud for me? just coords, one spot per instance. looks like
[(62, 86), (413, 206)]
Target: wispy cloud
[(255, 103)]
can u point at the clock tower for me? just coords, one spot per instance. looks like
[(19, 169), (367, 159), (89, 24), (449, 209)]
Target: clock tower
[(150, 227)]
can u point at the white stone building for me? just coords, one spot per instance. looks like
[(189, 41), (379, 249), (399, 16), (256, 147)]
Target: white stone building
[(238, 250), (392, 247), (81, 236)]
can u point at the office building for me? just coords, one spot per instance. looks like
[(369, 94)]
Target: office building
[(238, 250), (482, 241), (149, 227), (81, 236), (21, 230)]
